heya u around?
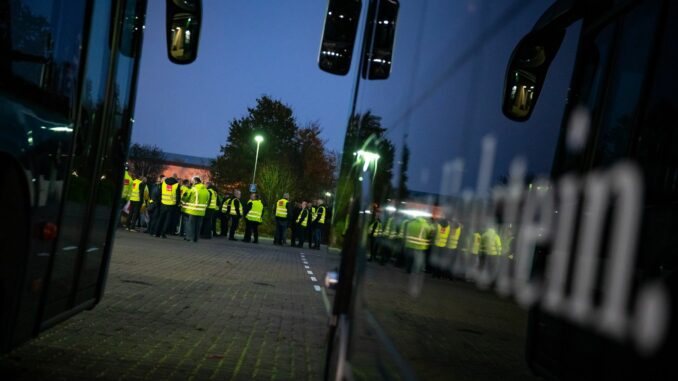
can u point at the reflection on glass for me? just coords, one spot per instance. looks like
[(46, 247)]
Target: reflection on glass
[(341, 24), (183, 28), (380, 37)]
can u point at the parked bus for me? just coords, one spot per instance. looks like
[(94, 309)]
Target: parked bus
[(67, 93), (536, 142)]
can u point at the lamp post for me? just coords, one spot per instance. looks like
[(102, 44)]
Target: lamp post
[(257, 139)]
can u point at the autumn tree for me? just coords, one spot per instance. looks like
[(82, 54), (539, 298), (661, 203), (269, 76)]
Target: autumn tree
[(297, 154)]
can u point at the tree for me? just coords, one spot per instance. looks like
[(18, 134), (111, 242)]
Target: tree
[(146, 160), (297, 154)]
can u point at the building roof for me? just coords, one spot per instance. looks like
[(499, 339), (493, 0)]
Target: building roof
[(188, 160)]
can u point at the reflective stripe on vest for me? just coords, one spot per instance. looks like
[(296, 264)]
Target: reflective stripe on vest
[(233, 211), (136, 192), (442, 234), (281, 208), (213, 200), (169, 193), (198, 201), (416, 234), (255, 211)]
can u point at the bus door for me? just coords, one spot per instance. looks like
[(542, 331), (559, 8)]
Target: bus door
[(427, 149), (102, 130)]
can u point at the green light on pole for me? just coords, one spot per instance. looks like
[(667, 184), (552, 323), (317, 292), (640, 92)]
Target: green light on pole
[(257, 139)]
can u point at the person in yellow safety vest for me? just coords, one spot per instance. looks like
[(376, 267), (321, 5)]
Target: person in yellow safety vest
[(154, 206), (490, 247), (417, 233), (126, 190), (170, 197), (439, 258), (126, 186), (212, 208), (283, 213), (302, 223), (319, 218), (195, 202), (373, 233), (309, 228), (225, 214), (453, 247), (184, 188), (136, 198), (254, 215), (236, 212)]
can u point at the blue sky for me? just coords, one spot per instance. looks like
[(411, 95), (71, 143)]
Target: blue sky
[(247, 49)]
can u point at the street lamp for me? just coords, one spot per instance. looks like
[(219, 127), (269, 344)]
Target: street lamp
[(257, 139)]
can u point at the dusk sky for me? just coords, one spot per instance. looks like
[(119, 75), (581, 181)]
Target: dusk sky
[(247, 49)]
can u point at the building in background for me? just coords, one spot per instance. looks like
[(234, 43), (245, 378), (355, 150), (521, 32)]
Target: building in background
[(186, 166)]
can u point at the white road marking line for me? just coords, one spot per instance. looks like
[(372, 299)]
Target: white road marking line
[(316, 287), (314, 279), (69, 248), (307, 267), (309, 272)]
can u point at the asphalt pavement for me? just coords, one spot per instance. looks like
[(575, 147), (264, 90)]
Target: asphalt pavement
[(212, 310)]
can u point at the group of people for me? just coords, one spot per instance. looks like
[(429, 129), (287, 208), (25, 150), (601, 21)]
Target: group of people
[(195, 210), (435, 245)]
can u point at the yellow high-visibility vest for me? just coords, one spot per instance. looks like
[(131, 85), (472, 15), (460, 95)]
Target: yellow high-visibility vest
[(127, 185), (304, 222), (196, 200), (442, 234), (169, 193), (213, 200), (453, 242), (233, 209), (135, 195), (256, 211), (281, 208), (225, 204), (475, 244), (322, 216), (417, 232), (490, 243)]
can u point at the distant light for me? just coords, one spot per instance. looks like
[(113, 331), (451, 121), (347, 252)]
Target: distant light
[(341, 16), (258, 138), (328, 194), (390, 208), (61, 129), (415, 213), (385, 22)]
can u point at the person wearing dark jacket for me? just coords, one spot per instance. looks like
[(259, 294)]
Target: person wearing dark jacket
[(236, 212), (303, 220), (154, 206), (319, 218), (170, 197), (224, 214)]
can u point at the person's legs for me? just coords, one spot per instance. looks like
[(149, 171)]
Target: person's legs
[(159, 217), (198, 227), (248, 231), (255, 231), (135, 208), (188, 223), (276, 236), (303, 232), (224, 224), (234, 227)]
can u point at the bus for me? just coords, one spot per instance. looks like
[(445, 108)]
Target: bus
[(507, 200), (67, 92)]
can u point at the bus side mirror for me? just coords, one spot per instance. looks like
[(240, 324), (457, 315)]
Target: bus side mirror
[(341, 26), (527, 70), (380, 36), (183, 30)]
